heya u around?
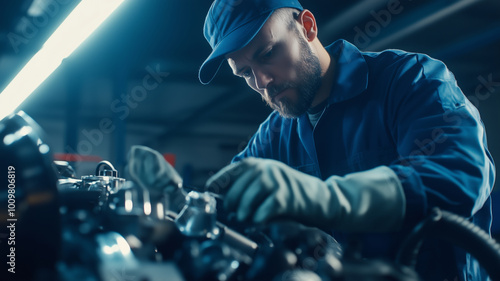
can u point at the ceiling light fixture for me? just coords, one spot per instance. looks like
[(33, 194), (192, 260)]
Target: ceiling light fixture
[(78, 25)]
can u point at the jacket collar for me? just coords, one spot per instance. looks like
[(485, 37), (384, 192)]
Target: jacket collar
[(351, 71)]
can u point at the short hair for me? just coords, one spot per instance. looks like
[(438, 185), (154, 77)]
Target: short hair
[(288, 16)]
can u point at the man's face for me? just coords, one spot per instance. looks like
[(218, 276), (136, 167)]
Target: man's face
[(279, 64)]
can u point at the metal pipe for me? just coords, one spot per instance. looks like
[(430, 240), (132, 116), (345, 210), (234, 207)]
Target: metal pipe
[(417, 22), (348, 18)]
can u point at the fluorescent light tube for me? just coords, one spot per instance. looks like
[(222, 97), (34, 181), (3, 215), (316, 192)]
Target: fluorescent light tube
[(80, 23)]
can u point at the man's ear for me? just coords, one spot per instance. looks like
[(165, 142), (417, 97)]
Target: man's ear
[(308, 22)]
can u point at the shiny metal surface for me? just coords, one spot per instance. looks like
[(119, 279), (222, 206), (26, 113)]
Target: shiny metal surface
[(198, 217)]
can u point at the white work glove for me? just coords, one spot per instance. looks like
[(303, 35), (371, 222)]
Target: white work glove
[(149, 169), (262, 189)]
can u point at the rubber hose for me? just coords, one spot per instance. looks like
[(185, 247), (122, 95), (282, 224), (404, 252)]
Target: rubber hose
[(460, 232)]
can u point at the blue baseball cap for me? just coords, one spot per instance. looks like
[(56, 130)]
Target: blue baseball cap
[(231, 24)]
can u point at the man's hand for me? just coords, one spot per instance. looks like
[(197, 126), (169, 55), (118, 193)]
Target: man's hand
[(148, 169), (262, 189)]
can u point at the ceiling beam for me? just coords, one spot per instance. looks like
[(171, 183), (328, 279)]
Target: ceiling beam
[(484, 38), (417, 20), (332, 29)]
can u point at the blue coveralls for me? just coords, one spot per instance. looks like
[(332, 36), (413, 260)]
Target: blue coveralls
[(406, 111)]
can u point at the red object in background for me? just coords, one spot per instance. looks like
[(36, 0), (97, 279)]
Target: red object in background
[(76, 157), (170, 157)]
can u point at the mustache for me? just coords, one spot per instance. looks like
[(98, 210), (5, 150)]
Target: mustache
[(274, 90)]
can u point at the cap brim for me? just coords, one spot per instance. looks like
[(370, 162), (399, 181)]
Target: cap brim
[(234, 41)]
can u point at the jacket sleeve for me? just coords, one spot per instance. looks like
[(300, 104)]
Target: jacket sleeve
[(441, 141)]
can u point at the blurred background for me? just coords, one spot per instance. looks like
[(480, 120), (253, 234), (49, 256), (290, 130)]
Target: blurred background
[(134, 81)]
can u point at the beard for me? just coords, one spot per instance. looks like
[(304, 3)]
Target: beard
[(307, 84)]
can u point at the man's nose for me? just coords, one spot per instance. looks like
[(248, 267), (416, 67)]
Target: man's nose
[(262, 79)]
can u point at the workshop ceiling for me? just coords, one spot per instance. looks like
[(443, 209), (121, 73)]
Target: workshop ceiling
[(160, 43)]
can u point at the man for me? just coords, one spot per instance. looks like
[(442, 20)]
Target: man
[(359, 142)]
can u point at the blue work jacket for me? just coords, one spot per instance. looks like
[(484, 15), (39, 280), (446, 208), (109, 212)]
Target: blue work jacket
[(405, 111)]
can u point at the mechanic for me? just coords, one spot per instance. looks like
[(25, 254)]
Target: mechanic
[(362, 144)]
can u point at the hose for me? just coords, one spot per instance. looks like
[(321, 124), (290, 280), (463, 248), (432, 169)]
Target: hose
[(457, 230)]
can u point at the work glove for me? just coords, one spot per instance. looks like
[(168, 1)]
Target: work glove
[(260, 190), (149, 169)]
